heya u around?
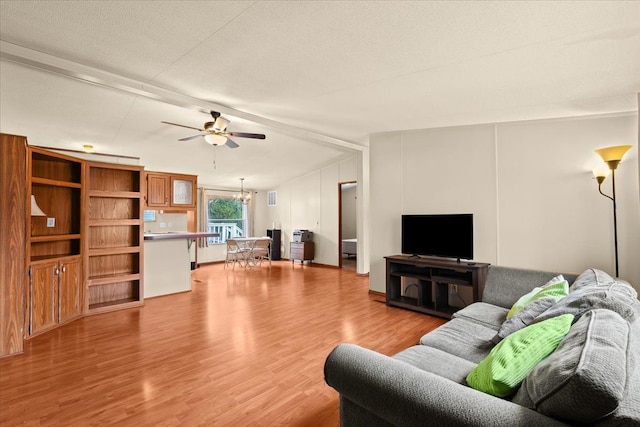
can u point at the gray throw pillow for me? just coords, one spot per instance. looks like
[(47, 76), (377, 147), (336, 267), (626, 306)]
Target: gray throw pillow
[(596, 289), (586, 377), (523, 318)]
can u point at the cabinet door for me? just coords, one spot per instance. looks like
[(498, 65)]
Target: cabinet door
[(183, 191), (158, 190), (69, 304), (44, 294)]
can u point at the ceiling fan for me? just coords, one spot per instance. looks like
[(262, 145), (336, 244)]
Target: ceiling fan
[(215, 132)]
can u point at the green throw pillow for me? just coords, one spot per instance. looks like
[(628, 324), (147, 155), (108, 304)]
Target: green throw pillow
[(502, 371), (556, 288)]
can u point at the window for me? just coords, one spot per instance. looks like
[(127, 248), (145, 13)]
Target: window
[(227, 217)]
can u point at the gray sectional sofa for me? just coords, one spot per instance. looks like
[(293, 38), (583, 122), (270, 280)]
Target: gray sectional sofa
[(590, 379)]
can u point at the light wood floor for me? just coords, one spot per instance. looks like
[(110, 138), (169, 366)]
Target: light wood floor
[(244, 348)]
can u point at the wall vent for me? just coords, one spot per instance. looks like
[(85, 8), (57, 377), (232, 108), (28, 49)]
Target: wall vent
[(272, 198)]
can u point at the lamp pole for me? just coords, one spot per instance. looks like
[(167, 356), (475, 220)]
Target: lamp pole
[(612, 157), (600, 180), (615, 217)]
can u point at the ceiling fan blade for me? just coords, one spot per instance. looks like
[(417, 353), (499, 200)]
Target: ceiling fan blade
[(231, 144), (190, 137), (182, 126), (248, 135)]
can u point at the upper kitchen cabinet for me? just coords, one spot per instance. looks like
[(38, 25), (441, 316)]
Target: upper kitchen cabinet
[(170, 191)]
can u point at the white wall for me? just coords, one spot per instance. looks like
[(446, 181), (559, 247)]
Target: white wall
[(309, 202), (528, 185)]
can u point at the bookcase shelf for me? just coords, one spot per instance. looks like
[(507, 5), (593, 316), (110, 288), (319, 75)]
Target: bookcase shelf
[(114, 233)]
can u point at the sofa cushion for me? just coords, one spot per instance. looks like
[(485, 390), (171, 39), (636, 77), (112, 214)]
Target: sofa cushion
[(489, 315), (596, 289), (556, 288), (437, 362), (590, 277), (468, 340), (507, 365), (523, 318), (585, 378), (506, 284)]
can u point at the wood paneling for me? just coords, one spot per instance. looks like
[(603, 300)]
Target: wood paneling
[(101, 266), (114, 236), (113, 293), (110, 178), (244, 348), (13, 192), (60, 167), (55, 249), (113, 208), (60, 203)]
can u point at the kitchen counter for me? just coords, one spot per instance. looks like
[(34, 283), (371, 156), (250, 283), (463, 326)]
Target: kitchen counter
[(174, 235), (167, 262)]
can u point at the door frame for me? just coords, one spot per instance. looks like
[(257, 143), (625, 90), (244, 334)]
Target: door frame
[(340, 185)]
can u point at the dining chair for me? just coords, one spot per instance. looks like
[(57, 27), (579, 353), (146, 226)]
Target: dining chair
[(260, 252), (235, 254)]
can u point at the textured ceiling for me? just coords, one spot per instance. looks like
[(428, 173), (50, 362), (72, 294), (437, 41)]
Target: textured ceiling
[(342, 69)]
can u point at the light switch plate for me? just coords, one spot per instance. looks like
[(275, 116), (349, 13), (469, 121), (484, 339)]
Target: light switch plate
[(51, 222)]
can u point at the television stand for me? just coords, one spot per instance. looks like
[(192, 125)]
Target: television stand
[(433, 277)]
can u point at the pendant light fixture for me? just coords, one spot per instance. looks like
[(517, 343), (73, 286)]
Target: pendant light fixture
[(243, 196)]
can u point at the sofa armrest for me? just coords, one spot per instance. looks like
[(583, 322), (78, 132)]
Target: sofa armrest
[(404, 395)]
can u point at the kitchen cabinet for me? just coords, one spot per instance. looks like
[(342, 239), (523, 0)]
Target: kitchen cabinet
[(158, 190), (170, 191)]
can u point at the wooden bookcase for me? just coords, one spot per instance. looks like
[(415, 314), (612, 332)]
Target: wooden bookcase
[(114, 244), (54, 243)]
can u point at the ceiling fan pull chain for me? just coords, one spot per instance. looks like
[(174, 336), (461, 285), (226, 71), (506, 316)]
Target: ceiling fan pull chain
[(214, 158)]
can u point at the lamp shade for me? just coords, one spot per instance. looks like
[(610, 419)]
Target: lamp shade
[(220, 124), (601, 172), (35, 209), (215, 139), (614, 153)]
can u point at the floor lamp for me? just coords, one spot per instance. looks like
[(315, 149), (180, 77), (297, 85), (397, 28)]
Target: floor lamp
[(612, 157)]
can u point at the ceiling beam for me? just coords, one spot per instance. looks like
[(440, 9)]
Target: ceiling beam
[(53, 64)]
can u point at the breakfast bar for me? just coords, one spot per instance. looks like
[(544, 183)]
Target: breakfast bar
[(167, 261)]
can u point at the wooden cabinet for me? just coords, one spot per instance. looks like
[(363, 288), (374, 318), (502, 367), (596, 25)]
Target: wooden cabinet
[(114, 252), (13, 226), (165, 190), (430, 279), (54, 241), (54, 292), (302, 251), (158, 190), (69, 290)]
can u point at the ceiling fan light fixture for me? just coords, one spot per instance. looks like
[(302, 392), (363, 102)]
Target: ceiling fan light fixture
[(215, 139), (220, 125)]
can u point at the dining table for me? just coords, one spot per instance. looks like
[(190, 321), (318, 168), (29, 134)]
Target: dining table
[(248, 243)]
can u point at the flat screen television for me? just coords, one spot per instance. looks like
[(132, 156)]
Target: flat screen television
[(447, 235)]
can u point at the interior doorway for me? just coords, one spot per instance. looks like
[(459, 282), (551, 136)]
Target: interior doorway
[(347, 230)]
